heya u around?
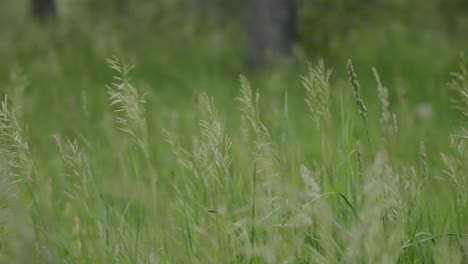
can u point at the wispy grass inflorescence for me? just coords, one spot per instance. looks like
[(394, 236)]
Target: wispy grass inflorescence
[(18, 171), (130, 114), (217, 142), (356, 87), (459, 84), (266, 156), (16, 149), (82, 199), (423, 162), (456, 166), (183, 157), (229, 197), (79, 175), (317, 88), (386, 121), (310, 179), (455, 163), (369, 233), (249, 104), (357, 96), (209, 160)]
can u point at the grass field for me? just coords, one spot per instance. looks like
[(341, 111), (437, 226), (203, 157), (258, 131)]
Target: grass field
[(191, 158)]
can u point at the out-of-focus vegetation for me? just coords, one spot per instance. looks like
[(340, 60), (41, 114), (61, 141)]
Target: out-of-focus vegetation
[(180, 160)]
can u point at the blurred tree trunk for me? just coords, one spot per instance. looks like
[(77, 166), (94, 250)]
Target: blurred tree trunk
[(41, 9), (122, 6), (271, 30)]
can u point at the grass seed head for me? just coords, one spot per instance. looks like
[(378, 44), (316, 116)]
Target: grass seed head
[(459, 84), (130, 114), (423, 162), (311, 182), (384, 101), (357, 96), (317, 88)]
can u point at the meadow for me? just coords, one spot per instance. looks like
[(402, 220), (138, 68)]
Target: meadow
[(120, 146)]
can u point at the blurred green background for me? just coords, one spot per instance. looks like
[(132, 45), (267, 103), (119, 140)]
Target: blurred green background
[(415, 40)]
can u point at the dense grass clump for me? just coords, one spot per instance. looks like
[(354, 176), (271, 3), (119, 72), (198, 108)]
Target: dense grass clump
[(240, 180)]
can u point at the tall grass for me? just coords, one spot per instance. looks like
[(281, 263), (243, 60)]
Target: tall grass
[(317, 88), (205, 191)]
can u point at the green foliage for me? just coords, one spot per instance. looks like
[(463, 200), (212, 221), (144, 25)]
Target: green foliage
[(206, 170)]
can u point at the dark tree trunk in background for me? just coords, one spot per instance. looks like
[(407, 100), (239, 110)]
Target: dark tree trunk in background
[(42, 9), (122, 6), (271, 30)]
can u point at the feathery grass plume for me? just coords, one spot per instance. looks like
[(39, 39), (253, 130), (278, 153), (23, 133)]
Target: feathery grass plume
[(317, 88), (196, 161), (410, 189), (16, 231), (19, 171), (368, 233), (90, 224), (267, 158), (456, 166), (217, 142), (357, 96), (205, 169), (459, 84), (18, 83), (183, 157), (384, 99), (209, 160), (386, 118), (17, 156), (266, 154), (392, 199), (249, 104), (316, 220), (310, 180), (82, 197), (130, 114), (455, 163), (79, 176), (16, 149), (423, 162)]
